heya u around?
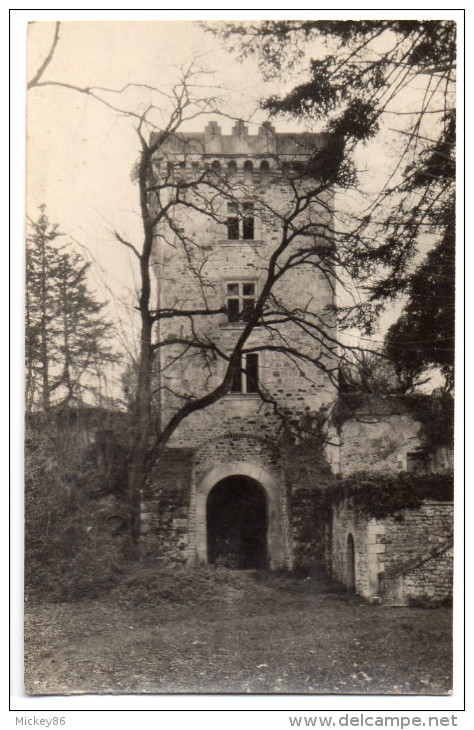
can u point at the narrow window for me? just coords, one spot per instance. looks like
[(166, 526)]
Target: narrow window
[(245, 378), (251, 372), (264, 173), (237, 380), (216, 168), (248, 226), (248, 301), (233, 302), (248, 173), (232, 222), (232, 170)]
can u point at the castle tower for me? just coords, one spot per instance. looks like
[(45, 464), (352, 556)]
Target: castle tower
[(223, 492)]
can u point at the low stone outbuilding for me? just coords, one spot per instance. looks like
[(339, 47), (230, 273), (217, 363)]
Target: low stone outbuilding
[(390, 552)]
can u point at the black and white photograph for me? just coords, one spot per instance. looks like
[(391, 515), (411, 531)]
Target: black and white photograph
[(239, 356)]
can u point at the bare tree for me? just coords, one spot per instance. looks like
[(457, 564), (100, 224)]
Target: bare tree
[(306, 243), (395, 79)]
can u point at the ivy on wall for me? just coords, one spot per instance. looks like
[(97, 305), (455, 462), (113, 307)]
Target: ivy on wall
[(379, 494)]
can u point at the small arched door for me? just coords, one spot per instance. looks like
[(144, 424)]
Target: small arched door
[(350, 564), (237, 524)]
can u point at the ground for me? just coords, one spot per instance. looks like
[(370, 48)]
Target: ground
[(216, 630)]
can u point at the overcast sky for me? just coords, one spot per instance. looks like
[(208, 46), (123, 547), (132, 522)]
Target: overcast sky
[(80, 154)]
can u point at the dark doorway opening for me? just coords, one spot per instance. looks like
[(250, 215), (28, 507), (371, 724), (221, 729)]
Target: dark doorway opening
[(350, 564), (237, 524)]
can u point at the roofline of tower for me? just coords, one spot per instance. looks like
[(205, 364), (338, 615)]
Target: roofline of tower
[(239, 143)]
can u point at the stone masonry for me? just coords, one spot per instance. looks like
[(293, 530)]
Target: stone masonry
[(238, 436), (401, 558), (406, 557)]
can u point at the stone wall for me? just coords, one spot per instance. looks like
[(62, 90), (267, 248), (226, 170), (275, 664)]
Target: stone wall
[(243, 453), (307, 478), (371, 442), (165, 507), (199, 276), (350, 521), (425, 580), (386, 432), (401, 557), (310, 531), (294, 478)]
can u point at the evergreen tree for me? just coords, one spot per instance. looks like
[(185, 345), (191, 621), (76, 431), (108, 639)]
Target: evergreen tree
[(399, 76), (40, 325), (66, 332), (424, 334)]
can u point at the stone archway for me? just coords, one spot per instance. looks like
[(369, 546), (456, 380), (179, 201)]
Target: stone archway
[(251, 475), (237, 523)]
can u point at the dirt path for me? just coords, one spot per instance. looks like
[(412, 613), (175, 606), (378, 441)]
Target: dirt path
[(254, 638)]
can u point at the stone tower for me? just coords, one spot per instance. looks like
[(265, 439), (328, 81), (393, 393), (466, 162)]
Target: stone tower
[(226, 490)]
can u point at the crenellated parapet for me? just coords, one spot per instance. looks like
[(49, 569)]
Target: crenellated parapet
[(240, 156)]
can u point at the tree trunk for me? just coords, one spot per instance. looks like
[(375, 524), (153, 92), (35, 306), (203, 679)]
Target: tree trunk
[(44, 333), (141, 430)]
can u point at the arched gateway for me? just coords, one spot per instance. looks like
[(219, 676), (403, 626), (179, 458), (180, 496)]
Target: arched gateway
[(237, 524), (238, 518)]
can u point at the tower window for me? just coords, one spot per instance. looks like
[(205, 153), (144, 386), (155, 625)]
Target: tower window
[(232, 222), (248, 173), (264, 173), (248, 222), (251, 372), (232, 170), (215, 169), (240, 222), (245, 378), (240, 301)]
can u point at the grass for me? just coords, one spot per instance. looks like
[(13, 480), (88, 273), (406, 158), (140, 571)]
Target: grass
[(168, 630)]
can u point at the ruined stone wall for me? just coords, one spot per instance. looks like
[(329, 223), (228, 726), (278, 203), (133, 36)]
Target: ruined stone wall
[(372, 442), (408, 550), (386, 432), (165, 507)]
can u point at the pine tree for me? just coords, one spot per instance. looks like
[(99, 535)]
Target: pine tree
[(40, 327), (66, 332)]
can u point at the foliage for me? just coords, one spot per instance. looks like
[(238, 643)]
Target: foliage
[(175, 585), (66, 332), (396, 75), (380, 494), (353, 85), (434, 413), (424, 335), (74, 505), (372, 373)]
